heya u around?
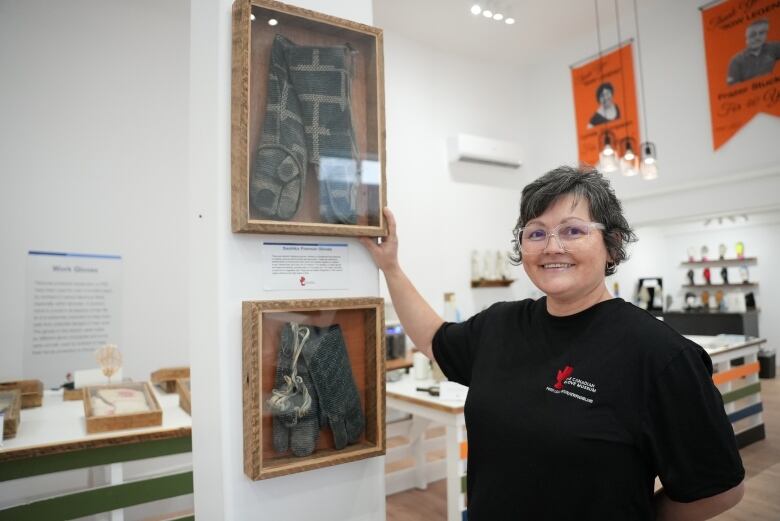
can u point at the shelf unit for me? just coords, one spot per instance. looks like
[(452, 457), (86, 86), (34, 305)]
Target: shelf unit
[(492, 283), (720, 263), (721, 286)]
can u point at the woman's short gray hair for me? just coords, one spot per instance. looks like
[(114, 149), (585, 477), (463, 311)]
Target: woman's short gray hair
[(584, 183)]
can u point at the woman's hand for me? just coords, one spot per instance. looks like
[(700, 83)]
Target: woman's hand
[(385, 253)]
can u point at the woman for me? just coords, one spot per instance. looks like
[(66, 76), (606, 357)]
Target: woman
[(578, 400), (608, 110)]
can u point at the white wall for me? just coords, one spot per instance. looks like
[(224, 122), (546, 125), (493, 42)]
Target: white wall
[(93, 158), (677, 107), (225, 270), (444, 211)]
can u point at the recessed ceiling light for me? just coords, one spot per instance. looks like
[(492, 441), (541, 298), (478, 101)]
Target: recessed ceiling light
[(487, 13), (476, 9), (273, 21), (509, 21), (498, 16)]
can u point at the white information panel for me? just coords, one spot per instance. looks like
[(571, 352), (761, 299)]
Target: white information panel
[(73, 307), (305, 266)]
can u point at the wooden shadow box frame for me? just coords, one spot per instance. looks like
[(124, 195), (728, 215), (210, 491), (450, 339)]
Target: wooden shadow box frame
[(115, 422), (252, 43), (11, 414), (361, 321), (32, 391)]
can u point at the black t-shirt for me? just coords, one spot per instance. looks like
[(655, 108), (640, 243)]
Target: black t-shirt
[(573, 417)]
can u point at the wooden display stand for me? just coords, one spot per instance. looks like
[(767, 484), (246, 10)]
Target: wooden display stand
[(166, 377), (97, 423), (361, 322), (10, 403), (32, 391)]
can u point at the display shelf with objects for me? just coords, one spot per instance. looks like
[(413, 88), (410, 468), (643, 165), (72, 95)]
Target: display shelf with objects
[(719, 263), (128, 405), (53, 438), (494, 283), (722, 286)]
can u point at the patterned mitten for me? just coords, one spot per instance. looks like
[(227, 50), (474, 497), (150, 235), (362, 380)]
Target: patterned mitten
[(279, 172), (328, 363), (294, 402), (322, 77)]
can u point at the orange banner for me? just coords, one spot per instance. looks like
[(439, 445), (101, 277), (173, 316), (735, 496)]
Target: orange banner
[(605, 103), (742, 44)]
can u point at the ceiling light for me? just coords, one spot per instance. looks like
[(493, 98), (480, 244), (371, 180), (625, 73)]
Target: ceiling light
[(608, 160), (649, 168), (509, 21), (498, 16), (476, 9), (487, 13), (252, 17), (273, 21)]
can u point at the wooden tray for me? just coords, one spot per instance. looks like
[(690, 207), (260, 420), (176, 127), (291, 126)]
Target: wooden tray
[(32, 391), (166, 377), (10, 403), (96, 422), (183, 388)]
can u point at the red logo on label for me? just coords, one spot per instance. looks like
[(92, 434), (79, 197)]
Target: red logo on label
[(563, 374), (302, 280)]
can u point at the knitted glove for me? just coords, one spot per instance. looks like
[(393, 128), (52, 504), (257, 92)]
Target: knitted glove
[(322, 77), (294, 403), (279, 172), (326, 357)]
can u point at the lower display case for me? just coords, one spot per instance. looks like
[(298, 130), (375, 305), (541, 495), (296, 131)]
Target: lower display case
[(314, 384)]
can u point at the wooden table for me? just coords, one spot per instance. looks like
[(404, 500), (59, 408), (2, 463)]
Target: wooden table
[(425, 410), (52, 438)]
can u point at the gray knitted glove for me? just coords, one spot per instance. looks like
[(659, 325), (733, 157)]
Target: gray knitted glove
[(322, 77), (294, 403), (328, 363), (279, 172)]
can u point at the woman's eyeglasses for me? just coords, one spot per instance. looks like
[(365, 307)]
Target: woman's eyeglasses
[(570, 234)]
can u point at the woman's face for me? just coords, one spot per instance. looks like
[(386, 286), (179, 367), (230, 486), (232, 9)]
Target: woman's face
[(567, 276), (605, 98)]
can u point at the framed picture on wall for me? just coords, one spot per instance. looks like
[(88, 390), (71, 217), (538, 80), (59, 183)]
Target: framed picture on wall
[(314, 384), (308, 126)]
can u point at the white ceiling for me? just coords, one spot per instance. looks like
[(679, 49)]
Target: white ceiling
[(541, 25)]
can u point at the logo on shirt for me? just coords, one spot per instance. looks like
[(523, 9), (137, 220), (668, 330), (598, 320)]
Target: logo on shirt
[(563, 374), (564, 379)]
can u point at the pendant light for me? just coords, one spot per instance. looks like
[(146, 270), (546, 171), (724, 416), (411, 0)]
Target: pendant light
[(649, 158), (608, 158), (629, 160)]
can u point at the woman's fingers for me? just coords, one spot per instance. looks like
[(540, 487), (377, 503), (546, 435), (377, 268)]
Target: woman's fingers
[(390, 222)]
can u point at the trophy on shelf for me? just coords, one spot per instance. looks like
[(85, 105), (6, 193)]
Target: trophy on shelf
[(691, 280), (744, 275), (719, 303), (740, 250), (704, 252), (722, 251), (724, 274), (707, 276), (705, 299), (476, 274), (691, 254)]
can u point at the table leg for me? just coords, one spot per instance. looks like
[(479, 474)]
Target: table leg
[(417, 446), (116, 477)]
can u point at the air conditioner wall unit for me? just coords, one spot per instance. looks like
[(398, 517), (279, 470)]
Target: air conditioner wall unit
[(476, 149)]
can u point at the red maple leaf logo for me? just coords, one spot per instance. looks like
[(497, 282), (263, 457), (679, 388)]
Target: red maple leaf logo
[(563, 374), (302, 280)]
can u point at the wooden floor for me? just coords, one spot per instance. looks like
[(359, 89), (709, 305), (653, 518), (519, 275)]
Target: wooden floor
[(762, 486)]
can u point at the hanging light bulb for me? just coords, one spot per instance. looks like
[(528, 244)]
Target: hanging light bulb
[(608, 160), (649, 166), (629, 162)]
